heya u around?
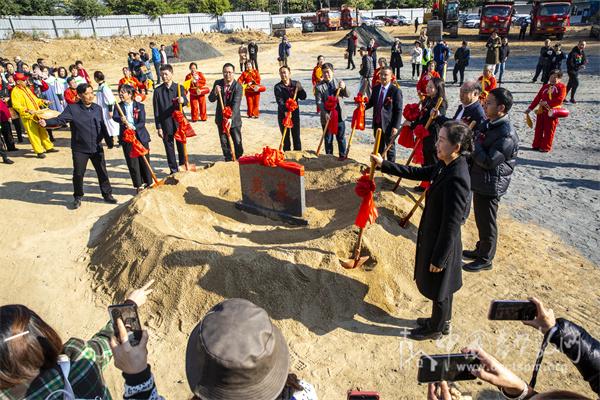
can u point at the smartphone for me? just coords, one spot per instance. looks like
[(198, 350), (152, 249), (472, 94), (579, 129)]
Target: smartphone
[(128, 313), (359, 395), (512, 310), (447, 367)]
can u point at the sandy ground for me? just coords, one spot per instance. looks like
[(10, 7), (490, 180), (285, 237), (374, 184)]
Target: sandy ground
[(548, 239)]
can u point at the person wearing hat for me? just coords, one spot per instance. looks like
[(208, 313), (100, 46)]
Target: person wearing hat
[(25, 103), (234, 353)]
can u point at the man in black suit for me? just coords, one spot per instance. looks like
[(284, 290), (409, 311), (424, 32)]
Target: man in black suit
[(87, 131), (461, 61), (366, 72), (231, 93), (166, 99), (386, 102), (470, 108), (285, 90), (351, 48)]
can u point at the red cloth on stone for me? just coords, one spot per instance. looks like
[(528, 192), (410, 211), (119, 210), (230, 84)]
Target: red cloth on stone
[(273, 158)]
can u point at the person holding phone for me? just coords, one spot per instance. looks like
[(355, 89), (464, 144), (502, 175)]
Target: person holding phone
[(439, 246), (31, 352)]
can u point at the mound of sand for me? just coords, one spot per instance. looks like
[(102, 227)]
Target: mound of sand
[(189, 236), (192, 49), (365, 34)]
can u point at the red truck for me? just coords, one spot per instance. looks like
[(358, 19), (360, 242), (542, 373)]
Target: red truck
[(325, 19), (550, 17), (496, 17), (350, 17)]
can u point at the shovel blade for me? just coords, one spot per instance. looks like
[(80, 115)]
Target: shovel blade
[(353, 263), (190, 167)]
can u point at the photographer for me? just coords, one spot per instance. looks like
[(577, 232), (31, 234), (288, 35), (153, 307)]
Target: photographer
[(32, 362)]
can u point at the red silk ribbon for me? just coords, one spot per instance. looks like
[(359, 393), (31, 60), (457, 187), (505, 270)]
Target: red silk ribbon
[(184, 128), (411, 112), (137, 148), (273, 158), (291, 105), (420, 133), (331, 106), (226, 123), (406, 137), (358, 117), (365, 187)]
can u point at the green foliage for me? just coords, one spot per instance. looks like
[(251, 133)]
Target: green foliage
[(85, 9), (362, 4), (30, 7)]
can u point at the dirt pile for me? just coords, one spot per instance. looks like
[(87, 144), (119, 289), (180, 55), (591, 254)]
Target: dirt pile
[(192, 49), (189, 236), (365, 34)]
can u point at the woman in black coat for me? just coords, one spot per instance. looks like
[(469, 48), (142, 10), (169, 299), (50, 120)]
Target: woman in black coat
[(135, 118), (396, 58), (438, 259), (435, 90)]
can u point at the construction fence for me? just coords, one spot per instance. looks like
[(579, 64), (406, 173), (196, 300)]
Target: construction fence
[(142, 25)]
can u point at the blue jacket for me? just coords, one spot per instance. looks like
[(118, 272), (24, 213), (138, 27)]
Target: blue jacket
[(441, 52), (284, 50), (155, 55)]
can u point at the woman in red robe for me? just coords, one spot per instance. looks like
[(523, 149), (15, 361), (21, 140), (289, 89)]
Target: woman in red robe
[(197, 87), (488, 83), (549, 98), (250, 80), (425, 78)]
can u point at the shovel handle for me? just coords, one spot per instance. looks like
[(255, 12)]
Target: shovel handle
[(337, 94), (404, 221), (350, 140), (150, 169)]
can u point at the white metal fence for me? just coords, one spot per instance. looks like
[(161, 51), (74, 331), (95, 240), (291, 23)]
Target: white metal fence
[(141, 25)]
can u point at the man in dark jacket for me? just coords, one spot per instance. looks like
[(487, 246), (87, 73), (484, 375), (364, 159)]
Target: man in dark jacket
[(366, 73), (461, 61), (231, 95), (386, 102), (504, 53), (87, 131), (575, 63), (523, 28), (166, 99), (351, 49), (544, 59), (283, 51), (441, 52), (253, 54), (285, 90), (492, 164)]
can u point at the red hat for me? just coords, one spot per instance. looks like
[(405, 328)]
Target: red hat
[(20, 76)]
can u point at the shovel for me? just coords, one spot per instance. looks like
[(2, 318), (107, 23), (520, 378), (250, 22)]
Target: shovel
[(229, 139), (154, 179), (188, 166), (337, 93), (356, 261), (285, 129)]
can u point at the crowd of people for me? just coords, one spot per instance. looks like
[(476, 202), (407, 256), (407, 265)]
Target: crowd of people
[(236, 352)]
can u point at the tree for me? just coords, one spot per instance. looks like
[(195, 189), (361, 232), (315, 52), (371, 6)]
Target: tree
[(85, 10), (361, 4), (31, 7), (214, 7)]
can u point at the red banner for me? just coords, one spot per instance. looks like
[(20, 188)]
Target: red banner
[(358, 117), (331, 106), (273, 158), (365, 187)]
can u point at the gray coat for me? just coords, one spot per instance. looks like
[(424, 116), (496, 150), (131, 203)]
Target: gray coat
[(321, 94)]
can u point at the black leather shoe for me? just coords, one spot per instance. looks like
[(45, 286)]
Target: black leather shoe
[(7, 160), (477, 265), (76, 203), (52, 150), (472, 254), (424, 333), (110, 199), (423, 322), (41, 155)]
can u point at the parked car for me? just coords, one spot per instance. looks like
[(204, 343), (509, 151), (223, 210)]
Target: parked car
[(308, 26), (372, 22), (293, 22), (462, 19), (387, 21), (518, 21), (402, 20), (472, 23)]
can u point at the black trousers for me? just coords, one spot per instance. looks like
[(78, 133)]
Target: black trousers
[(19, 129), (522, 33), (416, 68), (396, 71), (294, 133), (168, 141), (538, 70), (385, 140), (7, 136), (458, 69), (236, 136), (80, 161), (351, 60), (486, 212), (138, 170), (441, 312), (254, 62), (429, 151), (573, 83)]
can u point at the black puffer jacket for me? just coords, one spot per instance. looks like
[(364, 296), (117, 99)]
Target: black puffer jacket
[(494, 158), (581, 348)]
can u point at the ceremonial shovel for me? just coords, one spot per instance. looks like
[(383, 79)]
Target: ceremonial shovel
[(156, 181), (412, 154), (188, 166), (356, 261), (337, 93), (285, 129), (227, 133)]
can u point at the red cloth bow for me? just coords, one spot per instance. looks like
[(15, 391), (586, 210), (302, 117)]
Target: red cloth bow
[(411, 112), (184, 128), (331, 106), (365, 187), (137, 148), (420, 133), (291, 105), (226, 123), (406, 137), (358, 117), (272, 158)]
